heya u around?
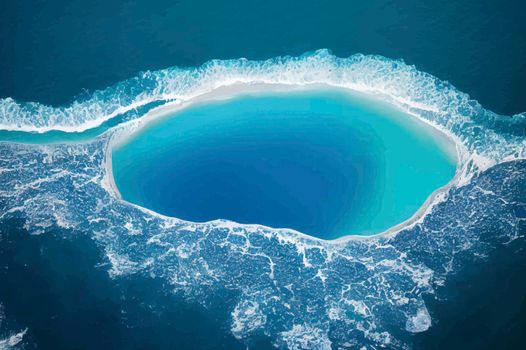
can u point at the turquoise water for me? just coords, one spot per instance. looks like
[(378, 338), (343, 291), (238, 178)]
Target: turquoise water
[(325, 163)]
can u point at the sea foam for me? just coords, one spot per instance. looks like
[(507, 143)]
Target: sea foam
[(299, 291), (419, 93)]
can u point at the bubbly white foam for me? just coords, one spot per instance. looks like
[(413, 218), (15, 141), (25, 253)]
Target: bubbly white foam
[(435, 101)]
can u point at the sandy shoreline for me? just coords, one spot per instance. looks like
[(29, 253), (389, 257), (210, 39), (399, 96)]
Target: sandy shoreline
[(124, 131)]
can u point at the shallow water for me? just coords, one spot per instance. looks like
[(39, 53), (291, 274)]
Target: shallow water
[(325, 163)]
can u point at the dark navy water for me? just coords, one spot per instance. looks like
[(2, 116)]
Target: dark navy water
[(52, 51), (484, 307), (77, 305)]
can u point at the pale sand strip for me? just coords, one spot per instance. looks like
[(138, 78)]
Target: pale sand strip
[(451, 145)]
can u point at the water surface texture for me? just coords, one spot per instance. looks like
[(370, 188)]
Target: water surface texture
[(82, 268), (324, 163), (65, 48)]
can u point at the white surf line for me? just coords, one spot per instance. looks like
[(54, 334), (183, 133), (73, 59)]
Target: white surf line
[(121, 133)]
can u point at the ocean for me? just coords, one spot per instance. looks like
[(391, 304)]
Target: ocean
[(80, 268), (476, 45)]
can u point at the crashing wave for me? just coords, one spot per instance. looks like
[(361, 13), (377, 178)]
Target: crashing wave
[(420, 93), (298, 290)]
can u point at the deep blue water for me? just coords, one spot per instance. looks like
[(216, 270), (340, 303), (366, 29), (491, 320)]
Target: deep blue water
[(323, 162), (57, 51), (66, 304), (53, 50)]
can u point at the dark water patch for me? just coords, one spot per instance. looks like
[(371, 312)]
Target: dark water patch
[(483, 306), (54, 50), (58, 289)]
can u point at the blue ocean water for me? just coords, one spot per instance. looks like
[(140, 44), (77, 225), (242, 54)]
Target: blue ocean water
[(81, 269), (475, 44), (83, 300), (325, 163)]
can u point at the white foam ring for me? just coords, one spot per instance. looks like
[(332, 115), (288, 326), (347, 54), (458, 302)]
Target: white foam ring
[(435, 101), (300, 291)]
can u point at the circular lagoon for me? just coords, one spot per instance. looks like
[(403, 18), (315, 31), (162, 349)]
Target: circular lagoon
[(326, 163)]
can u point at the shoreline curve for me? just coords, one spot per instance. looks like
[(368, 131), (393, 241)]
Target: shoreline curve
[(120, 133)]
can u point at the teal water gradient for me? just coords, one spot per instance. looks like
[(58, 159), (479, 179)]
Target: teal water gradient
[(326, 163)]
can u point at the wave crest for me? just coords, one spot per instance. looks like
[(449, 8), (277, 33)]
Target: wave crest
[(490, 136)]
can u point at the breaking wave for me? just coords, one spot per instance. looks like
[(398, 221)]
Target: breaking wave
[(401, 84)]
